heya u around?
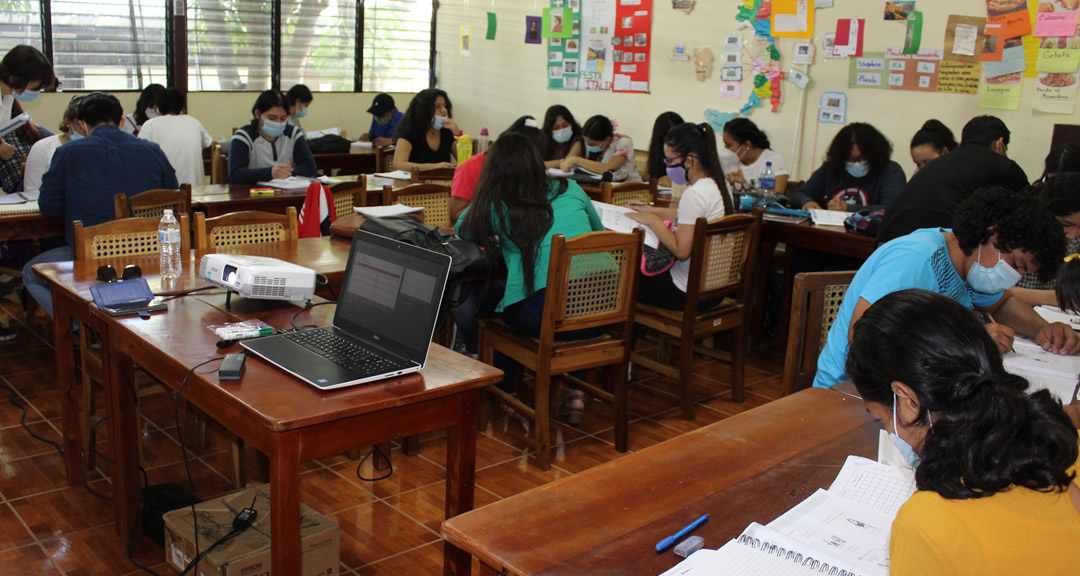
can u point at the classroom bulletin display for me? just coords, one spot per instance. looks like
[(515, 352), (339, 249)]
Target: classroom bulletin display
[(607, 49)]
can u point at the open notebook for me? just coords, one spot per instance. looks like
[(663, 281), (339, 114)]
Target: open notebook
[(615, 219), (1043, 369), (829, 217), (842, 530)]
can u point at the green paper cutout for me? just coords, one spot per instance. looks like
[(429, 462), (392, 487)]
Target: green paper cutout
[(914, 33), (558, 23), (492, 23)]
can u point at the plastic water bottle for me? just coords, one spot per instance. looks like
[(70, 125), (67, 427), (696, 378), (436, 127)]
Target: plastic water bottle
[(169, 246), (767, 183), (482, 141)]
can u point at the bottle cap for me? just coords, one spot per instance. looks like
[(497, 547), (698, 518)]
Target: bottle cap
[(483, 132), (167, 212)]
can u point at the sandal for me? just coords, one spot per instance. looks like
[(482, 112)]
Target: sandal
[(573, 408)]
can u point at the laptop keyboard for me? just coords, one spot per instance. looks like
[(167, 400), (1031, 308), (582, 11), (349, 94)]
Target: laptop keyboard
[(343, 352)]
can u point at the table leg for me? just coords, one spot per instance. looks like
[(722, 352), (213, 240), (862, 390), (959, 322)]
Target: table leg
[(789, 285), (70, 402), (460, 477), (285, 504), (119, 382), (761, 289)]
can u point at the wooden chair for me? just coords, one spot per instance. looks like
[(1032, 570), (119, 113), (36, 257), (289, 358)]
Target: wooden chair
[(627, 192), (349, 194), (384, 159), (641, 161), (721, 273), (592, 281), (442, 176), (816, 301), (153, 203), (434, 198), (219, 164), (247, 227)]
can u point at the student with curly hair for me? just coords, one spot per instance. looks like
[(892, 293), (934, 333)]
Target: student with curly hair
[(931, 142), (752, 147), (1061, 196), (425, 137), (858, 173), (997, 236), (995, 465), (934, 193)]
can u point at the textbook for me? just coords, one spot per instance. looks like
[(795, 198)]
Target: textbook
[(576, 173), (828, 217), (1044, 369), (615, 219), (842, 530), (9, 125)]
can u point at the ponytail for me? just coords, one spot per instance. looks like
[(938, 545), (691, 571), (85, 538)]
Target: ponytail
[(700, 140)]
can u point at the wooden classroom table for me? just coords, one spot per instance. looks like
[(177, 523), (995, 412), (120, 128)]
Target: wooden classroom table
[(358, 158), (29, 226), (276, 413), (749, 468), (218, 199)]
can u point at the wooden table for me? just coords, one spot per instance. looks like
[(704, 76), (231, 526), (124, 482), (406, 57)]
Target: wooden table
[(218, 199), (29, 226), (607, 520), (279, 415), (358, 158)]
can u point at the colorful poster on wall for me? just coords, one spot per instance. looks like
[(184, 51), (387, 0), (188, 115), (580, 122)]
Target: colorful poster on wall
[(1061, 61), (602, 45), (1055, 93), (1012, 60), (958, 77), (1002, 92), (1056, 18), (532, 29), (792, 19), (633, 19), (867, 71), (1011, 15), (964, 38), (913, 74), (895, 70), (564, 66), (466, 37), (557, 22)]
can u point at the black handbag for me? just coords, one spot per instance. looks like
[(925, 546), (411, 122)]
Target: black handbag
[(329, 144), (467, 259)]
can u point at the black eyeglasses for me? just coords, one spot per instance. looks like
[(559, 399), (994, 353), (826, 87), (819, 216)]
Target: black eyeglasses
[(107, 273)]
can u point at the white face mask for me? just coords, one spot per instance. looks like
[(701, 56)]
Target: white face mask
[(150, 113), (999, 278), (902, 445), (562, 135)]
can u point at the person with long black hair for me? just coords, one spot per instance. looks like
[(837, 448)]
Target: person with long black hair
[(752, 147), (425, 137), (932, 141), (144, 109), (24, 73), (690, 157), (995, 463), (299, 99), (514, 213), (605, 150), (562, 136), (657, 169), (269, 147)]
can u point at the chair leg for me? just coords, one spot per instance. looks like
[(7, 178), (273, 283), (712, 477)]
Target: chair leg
[(686, 360), (380, 463), (542, 407), (622, 410), (738, 374), (484, 411), (236, 448), (89, 419), (410, 445)]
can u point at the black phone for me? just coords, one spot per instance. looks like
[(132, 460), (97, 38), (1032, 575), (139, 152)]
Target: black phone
[(127, 297)]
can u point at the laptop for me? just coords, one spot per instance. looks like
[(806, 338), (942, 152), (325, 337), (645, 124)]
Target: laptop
[(385, 318)]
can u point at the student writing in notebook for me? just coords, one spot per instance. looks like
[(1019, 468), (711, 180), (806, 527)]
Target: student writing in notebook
[(997, 236), (995, 465), (932, 141), (425, 137), (269, 147), (605, 150), (24, 73), (22, 138), (754, 151), (385, 118), (563, 136), (858, 173)]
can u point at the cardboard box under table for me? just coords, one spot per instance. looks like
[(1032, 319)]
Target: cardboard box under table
[(248, 554)]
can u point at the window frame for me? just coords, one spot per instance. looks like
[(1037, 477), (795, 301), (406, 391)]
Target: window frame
[(176, 53)]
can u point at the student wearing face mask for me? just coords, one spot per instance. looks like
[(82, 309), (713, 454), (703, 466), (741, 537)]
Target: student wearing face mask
[(934, 193), (425, 137), (995, 461), (144, 110), (562, 136), (269, 147), (858, 173), (690, 157), (299, 98), (41, 153), (997, 236), (384, 121), (605, 150), (24, 73), (751, 146), (657, 168)]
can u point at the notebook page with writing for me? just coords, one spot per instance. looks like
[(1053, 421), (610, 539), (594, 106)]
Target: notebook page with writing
[(877, 486), (615, 219), (1043, 369), (1055, 314)]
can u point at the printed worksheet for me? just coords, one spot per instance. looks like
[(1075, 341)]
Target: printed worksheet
[(880, 487), (615, 219)]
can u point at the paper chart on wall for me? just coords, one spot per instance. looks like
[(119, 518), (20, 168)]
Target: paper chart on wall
[(1012, 16), (792, 19), (958, 77), (564, 66), (600, 49), (633, 19)]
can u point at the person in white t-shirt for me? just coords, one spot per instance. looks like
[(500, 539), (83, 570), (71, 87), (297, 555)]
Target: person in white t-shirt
[(691, 157), (144, 109), (180, 136), (744, 139), (41, 153)]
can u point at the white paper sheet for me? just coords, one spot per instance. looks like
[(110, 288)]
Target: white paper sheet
[(294, 182), (828, 217), (362, 145), (382, 211), (25, 208), (1044, 370), (1055, 314), (15, 198), (320, 133), (395, 175), (615, 219), (880, 487)]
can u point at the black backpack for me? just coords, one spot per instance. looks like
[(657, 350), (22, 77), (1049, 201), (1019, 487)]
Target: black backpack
[(329, 144)]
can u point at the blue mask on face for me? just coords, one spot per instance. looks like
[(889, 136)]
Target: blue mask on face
[(437, 121), (857, 169), (27, 95), (301, 112), (992, 280), (562, 135), (75, 136), (905, 449), (594, 149), (273, 129)]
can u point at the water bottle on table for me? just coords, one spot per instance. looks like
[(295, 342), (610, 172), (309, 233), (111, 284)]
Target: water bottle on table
[(767, 183), (169, 246), (482, 141)]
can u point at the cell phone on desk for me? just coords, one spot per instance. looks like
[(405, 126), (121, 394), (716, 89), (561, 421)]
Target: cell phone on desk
[(128, 297)]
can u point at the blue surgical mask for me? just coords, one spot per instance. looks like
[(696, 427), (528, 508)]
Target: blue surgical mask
[(562, 135), (992, 280), (301, 112), (857, 169), (27, 95), (594, 149), (438, 121), (905, 449), (273, 129), (75, 136)]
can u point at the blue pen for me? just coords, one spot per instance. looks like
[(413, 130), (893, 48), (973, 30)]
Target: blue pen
[(660, 546)]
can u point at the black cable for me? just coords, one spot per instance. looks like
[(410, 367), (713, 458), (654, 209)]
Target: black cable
[(183, 449), (167, 297), (13, 400), (326, 283), (308, 306), (242, 522), (375, 450)]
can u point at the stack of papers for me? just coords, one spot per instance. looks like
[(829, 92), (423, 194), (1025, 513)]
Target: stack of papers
[(30, 207), (1055, 314), (363, 144), (320, 133), (395, 175), (828, 217), (383, 211), (19, 197), (12, 124), (295, 182), (615, 219), (1043, 369)]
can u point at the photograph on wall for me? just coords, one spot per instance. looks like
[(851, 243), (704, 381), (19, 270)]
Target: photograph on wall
[(532, 29), (558, 23)]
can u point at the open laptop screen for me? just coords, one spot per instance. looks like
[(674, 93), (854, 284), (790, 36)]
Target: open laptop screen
[(391, 294)]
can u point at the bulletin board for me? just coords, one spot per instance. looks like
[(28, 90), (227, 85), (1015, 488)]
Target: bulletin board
[(608, 49)]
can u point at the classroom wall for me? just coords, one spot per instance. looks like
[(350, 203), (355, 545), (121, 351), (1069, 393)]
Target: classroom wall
[(504, 78), (220, 112)]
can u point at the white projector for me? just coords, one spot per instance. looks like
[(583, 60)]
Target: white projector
[(258, 276)]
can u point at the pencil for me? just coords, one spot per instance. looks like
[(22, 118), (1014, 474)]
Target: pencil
[(992, 321)]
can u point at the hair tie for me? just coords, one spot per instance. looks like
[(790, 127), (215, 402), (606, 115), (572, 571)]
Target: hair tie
[(614, 123), (531, 123), (701, 126), (1072, 257)]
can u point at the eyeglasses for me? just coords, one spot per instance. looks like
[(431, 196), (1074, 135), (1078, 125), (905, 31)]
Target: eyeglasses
[(107, 273), (675, 160)]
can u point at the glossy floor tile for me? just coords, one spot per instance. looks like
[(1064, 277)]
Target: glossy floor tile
[(389, 526)]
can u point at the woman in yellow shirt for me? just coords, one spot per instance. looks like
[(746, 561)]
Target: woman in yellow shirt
[(995, 465)]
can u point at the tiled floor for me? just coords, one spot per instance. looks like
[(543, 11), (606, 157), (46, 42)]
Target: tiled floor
[(387, 527)]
